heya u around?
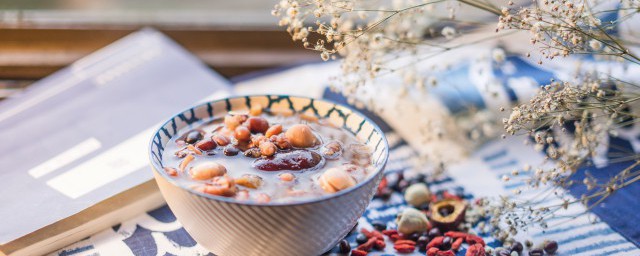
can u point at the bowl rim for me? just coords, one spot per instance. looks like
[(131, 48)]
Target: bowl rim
[(378, 170)]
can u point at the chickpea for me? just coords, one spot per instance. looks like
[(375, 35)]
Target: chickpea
[(242, 133), (301, 136), (273, 130), (286, 177), (267, 148), (336, 179), (207, 170)]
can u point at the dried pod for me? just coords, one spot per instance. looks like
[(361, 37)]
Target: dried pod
[(448, 214), (336, 179), (207, 170), (417, 194), (411, 221), (249, 180), (301, 136)]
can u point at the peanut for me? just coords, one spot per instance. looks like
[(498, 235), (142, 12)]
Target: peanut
[(249, 180), (242, 133), (267, 148)]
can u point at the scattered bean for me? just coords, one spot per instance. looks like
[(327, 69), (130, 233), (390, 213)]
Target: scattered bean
[(550, 247), (344, 246), (379, 225), (361, 239)]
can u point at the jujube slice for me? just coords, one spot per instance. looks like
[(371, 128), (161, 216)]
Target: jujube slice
[(295, 161)]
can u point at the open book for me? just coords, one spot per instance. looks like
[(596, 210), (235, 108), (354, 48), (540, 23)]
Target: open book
[(74, 145)]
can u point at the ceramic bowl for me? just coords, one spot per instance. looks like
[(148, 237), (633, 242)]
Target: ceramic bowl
[(228, 227)]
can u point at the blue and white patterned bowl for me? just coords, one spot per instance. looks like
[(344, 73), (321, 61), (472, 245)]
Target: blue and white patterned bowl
[(228, 227)]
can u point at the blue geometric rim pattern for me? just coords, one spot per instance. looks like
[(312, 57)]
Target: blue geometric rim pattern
[(343, 116)]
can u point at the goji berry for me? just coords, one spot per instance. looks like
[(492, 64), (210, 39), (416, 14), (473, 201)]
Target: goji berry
[(404, 248), (357, 252), (472, 239), (389, 232), (456, 244), (377, 234), (405, 241), (475, 250), (433, 251), (435, 242), (366, 232), (379, 245), (447, 195), (456, 234), (367, 246), (395, 237), (445, 253)]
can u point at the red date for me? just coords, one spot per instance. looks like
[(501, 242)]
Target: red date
[(295, 161)]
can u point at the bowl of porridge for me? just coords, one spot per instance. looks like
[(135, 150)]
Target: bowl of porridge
[(268, 174)]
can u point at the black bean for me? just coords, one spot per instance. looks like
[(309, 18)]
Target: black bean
[(344, 246), (193, 137), (517, 247), (446, 243), (424, 207), (361, 239), (231, 151), (414, 236), (551, 247), (536, 252), (379, 225), (434, 232), (422, 243)]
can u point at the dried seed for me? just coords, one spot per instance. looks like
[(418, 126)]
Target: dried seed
[(411, 221), (336, 179), (253, 153), (417, 194), (257, 125), (231, 151)]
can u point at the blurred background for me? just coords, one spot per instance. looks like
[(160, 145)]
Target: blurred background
[(38, 37)]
